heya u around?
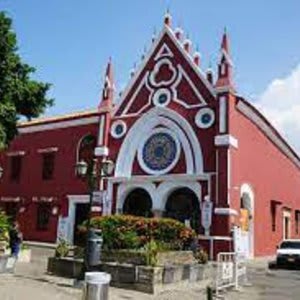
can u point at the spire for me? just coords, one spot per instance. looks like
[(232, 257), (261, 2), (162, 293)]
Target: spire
[(225, 66), (108, 88), (225, 42)]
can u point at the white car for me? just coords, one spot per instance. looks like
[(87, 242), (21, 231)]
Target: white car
[(288, 253)]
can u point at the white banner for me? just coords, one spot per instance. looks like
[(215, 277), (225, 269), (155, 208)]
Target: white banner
[(206, 214)]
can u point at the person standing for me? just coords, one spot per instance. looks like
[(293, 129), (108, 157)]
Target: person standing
[(15, 239)]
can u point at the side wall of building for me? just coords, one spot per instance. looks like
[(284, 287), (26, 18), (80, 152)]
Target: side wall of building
[(273, 178), (31, 188)]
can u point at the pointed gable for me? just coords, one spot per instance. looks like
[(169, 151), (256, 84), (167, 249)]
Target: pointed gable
[(168, 67)]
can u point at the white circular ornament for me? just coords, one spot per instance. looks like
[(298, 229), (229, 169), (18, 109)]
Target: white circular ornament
[(205, 117), (162, 97), (118, 129)]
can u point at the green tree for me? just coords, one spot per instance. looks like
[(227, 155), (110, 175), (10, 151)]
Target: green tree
[(20, 95)]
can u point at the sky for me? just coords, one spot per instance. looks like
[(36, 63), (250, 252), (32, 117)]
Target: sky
[(70, 42)]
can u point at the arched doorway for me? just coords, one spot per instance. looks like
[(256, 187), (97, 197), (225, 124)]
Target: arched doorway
[(246, 236), (138, 203), (183, 205)]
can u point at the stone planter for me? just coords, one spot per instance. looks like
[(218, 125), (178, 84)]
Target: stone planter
[(65, 267), (24, 256), (141, 278)]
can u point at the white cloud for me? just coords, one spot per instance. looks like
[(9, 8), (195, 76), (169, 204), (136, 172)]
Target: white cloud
[(280, 103)]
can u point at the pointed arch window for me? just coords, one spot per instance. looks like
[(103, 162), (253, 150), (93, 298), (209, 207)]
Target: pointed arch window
[(86, 148)]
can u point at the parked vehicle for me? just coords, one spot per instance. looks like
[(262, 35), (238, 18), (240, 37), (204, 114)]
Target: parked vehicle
[(288, 253)]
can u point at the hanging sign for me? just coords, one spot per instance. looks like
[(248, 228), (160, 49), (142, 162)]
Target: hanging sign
[(99, 197), (206, 214)]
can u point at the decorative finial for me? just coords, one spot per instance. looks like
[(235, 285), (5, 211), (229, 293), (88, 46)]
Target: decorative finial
[(167, 18)]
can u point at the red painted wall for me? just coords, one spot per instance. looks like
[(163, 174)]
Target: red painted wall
[(272, 175), (31, 184)]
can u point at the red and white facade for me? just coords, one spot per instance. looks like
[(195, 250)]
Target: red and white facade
[(176, 134)]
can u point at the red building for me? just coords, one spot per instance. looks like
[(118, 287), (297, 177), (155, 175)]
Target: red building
[(183, 143)]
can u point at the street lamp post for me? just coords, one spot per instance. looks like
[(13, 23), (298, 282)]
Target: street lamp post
[(89, 171)]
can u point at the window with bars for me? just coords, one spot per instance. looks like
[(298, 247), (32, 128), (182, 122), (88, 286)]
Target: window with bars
[(48, 165), (43, 216), (15, 168)]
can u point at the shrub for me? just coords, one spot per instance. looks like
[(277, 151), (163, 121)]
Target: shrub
[(4, 226), (131, 232), (151, 249), (201, 256), (62, 249)]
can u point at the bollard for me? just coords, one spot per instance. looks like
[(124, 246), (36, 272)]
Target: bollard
[(209, 293), (96, 286)]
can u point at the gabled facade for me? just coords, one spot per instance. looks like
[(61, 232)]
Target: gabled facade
[(184, 145)]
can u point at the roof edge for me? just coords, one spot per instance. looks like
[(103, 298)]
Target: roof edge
[(61, 118), (254, 115)]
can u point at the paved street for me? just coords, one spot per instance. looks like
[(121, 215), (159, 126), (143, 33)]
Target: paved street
[(269, 284), (31, 283)]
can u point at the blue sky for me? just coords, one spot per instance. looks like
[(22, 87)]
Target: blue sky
[(70, 41)]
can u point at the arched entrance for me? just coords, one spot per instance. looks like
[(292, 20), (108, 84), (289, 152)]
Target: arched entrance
[(247, 221), (183, 205), (138, 203)]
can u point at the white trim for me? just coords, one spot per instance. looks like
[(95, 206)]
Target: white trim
[(170, 177), (217, 176), (161, 54), (59, 125), (141, 147), (182, 73), (226, 140), (136, 91), (101, 151), (79, 144), (156, 95), (10, 199), (228, 175), (224, 89), (165, 189), (15, 153), (225, 211), (159, 195), (196, 69), (47, 150), (200, 113), (73, 200), (223, 119), (215, 237), (101, 132), (113, 132), (227, 57), (124, 189), (268, 131), (163, 61), (143, 126)]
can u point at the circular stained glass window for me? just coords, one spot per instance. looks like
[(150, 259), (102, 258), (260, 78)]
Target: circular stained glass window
[(162, 97), (205, 117), (160, 152), (118, 129)]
